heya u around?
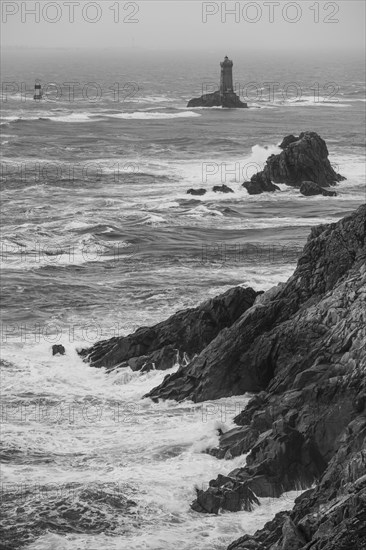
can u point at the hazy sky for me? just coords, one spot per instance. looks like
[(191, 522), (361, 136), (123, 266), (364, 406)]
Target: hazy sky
[(179, 25)]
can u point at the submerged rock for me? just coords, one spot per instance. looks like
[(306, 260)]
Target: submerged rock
[(303, 159), (177, 339)]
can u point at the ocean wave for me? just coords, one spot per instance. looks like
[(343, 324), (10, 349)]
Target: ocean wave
[(152, 99), (94, 116), (312, 103), (201, 210), (144, 115), (73, 117), (17, 118), (47, 116), (84, 247), (353, 100), (301, 102), (152, 219)]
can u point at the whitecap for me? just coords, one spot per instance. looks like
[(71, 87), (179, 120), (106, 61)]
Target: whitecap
[(143, 115)]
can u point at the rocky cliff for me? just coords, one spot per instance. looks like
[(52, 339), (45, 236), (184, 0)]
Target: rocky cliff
[(289, 329), (301, 348), (304, 343)]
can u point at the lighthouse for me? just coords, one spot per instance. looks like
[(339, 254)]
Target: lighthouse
[(37, 92), (226, 80), (225, 96)]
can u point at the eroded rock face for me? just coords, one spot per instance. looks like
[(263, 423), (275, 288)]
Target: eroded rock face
[(304, 324), (177, 339), (228, 100), (303, 159)]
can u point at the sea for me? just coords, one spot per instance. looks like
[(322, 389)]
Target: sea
[(100, 237)]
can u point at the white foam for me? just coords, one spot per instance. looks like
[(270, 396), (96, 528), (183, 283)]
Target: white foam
[(144, 115), (154, 220), (312, 101), (202, 210), (211, 171), (102, 432), (73, 117), (152, 99), (50, 115)]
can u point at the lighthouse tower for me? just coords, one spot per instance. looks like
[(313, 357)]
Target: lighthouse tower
[(37, 92), (225, 96), (226, 80)]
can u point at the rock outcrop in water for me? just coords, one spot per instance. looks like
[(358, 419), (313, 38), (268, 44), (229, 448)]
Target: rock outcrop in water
[(309, 188), (58, 349), (303, 159), (222, 189), (304, 344), (229, 101), (177, 339), (199, 191)]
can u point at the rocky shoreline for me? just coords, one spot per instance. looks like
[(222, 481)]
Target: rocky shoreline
[(301, 348)]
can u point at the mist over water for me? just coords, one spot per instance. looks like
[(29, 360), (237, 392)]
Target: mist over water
[(100, 237)]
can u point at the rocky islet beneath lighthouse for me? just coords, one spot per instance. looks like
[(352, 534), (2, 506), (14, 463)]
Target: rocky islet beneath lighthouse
[(225, 96)]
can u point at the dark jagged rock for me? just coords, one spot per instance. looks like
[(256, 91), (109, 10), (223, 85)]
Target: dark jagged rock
[(292, 328), (58, 349), (287, 141), (303, 159), (196, 191), (310, 423), (269, 535), (309, 188), (227, 100), (332, 515), (258, 184), (165, 358), (222, 189), (235, 442), (232, 495), (180, 337)]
